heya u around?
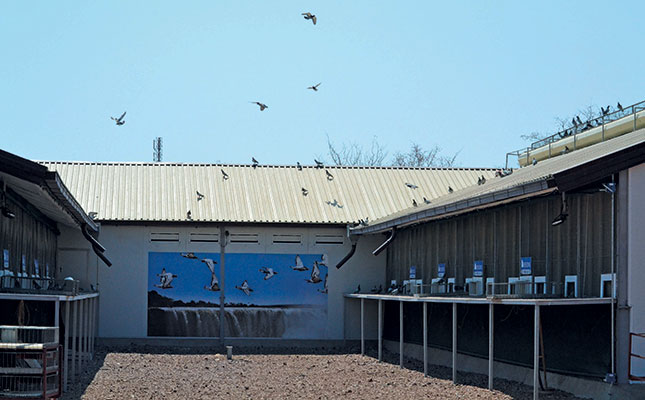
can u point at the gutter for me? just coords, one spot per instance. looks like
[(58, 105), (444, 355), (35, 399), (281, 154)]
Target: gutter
[(96, 246)]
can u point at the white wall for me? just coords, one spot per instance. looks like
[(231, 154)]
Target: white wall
[(636, 262), (123, 287), (75, 257)]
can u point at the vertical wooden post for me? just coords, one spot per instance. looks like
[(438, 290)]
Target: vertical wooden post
[(362, 327)]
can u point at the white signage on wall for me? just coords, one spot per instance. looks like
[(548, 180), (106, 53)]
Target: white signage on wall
[(6, 258), (525, 266), (478, 268)]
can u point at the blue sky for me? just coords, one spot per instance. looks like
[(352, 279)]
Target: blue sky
[(287, 287), (469, 76)]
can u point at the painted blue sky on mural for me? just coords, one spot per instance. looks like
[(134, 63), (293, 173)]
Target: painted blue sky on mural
[(287, 287)]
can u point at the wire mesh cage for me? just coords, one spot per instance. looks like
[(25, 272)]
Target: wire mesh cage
[(28, 374), (37, 285), (12, 336)]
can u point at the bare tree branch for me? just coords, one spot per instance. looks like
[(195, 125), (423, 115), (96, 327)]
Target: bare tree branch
[(355, 154)]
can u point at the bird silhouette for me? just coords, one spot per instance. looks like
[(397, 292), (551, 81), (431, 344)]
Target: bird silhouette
[(305, 192), (268, 272), (189, 215), (358, 289), (315, 274), (319, 164), (199, 195), (479, 181), (119, 121), (573, 121), (224, 174), (262, 105), (483, 179), (534, 161), (314, 87), (619, 106), (330, 177), (245, 288), (565, 150), (414, 203), (578, 119), (214, 284), (411, 185), (310, 16), (191, 256), (589, 125), (299, 166), (450, 190), (299, 265), (255, 162), (426, 201), (605, 111)]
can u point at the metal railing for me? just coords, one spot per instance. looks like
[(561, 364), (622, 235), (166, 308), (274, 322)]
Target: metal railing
[(15, 335), (37, 285), (524, 289), (600, 121)]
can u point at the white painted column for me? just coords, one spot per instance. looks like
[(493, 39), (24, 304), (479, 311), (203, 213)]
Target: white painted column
[(425, 338), (401, 334), (491, 344), (536, 351), (65, 341), (93, 327), (57, 316), (81, 343), (362, 327), (86, 355), (74, 339), (454, 342), (380, 330)]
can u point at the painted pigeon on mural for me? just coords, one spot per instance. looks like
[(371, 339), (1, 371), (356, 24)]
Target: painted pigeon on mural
[(268, 272), (165, 279), (192, 256), (245, 288), (299, 265), (214, 285), (323, 261), (325, 291), (315, 274)]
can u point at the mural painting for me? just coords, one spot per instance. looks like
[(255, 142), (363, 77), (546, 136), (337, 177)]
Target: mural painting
[(266, 295)]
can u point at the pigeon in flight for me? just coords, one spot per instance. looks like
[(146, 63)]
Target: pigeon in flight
[(310, 16), (261, 105), (319, 164), (315, 274), (224, 174), (325, 290), (299, 265), (299, 166), (268, 272), (245, 288), (314, 87), (414, 203), (255, 162), (411, 185), (191, 256), (165, 278), (189, 215), (323, 260), (119, 121), (330, 177), (305, 192), (199, 195), (450, 190), (620, 107), (214, 285)]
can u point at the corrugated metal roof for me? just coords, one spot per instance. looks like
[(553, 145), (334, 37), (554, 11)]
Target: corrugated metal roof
[(266, 194), (478, 194)]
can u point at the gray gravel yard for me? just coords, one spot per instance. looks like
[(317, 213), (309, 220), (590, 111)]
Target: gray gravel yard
[(152, 373)]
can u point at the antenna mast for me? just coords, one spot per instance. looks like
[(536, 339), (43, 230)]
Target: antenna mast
[(157, 146)]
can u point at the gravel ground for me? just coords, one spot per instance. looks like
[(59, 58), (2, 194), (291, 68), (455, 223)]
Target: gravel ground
[(154, 373)]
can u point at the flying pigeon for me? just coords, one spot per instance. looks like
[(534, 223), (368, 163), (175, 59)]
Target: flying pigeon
[(578, 119), (330, 177), (315, 274), (165, 278), (358, 289), (323, 260), (214, 285), (119, 121), (255, 162), (199, 195), (314, 87), (319, 164), (299, 166), (268, 272), (426, 201), (411, 186), (619, 106), (305, 192), (299, 265), (189, 215), (262, 106), (450, 190), (245, 288), (414, 203), (192, 256), (310, 16), (224, 175)]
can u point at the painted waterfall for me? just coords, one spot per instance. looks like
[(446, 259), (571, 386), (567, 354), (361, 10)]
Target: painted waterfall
[(266, 295)]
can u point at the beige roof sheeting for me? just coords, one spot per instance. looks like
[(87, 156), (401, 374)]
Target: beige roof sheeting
[(266, 194), (478, 195)]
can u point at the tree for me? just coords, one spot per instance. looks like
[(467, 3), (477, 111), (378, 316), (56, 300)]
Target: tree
[(588, 113), (418, 157)]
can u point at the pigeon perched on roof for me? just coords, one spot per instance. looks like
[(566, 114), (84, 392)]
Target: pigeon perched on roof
[(189, 215), (414, 203), (535, 161), (314, 87), (620, 107), (358, 289), (450, 190), (305, 192), (330, 177), (119, 121), (261, 105), (411, 185), (255, 162), (578, 119), (319, 164), (299, 166), (199, 195), (573, 121), (224, 174), (310, 16), (426, 201)]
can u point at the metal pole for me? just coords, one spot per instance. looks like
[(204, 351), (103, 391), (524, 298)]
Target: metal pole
[(380, 330), (66, 345), (401, 334), (613, 284), (454, 342), (536, 351), (362, 327), (425, 338), (74, 337), (222, 273), (491, 345), (82, 335), (90, 337)]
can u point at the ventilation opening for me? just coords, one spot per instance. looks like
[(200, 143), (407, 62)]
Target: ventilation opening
[(330, 239), (289, 239), (244, 238), (204, 237), (164, 236)]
